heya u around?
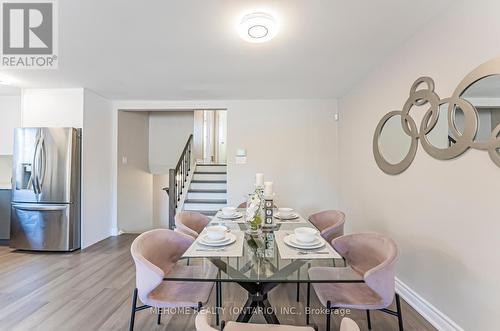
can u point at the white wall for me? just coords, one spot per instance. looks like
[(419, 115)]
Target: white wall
[(52, 107), (168, 133), (135, 183), (443, 214), (97, 169), (160, 201), (10, 118), (5, 171), (294, 142)]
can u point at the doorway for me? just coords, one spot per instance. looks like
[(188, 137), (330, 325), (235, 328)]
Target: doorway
[(210, 134)]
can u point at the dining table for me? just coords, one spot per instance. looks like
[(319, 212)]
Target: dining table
[(259, 263)]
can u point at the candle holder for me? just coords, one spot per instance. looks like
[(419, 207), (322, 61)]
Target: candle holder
[(268, 213)]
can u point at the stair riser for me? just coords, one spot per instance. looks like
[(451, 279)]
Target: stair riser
[(209, 177), (207, 196), (211, 168), (203, 206), (208, 186)]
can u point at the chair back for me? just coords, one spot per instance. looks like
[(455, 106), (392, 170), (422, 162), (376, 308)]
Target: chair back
[(330, 223), (155, 253), (201, 322), (374, 256), (348, 324), (191, 223)]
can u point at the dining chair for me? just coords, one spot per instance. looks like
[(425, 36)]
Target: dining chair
[(201, 324), (371, 255), (191, 223), (348, 324), (330, 223), (155, 254)]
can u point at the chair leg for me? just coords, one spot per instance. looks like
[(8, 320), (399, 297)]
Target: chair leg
[(399, 312), (308, 302), (298, 292), (368, 319), (328, 314), (132, 314), (217, 302), (159, 316)]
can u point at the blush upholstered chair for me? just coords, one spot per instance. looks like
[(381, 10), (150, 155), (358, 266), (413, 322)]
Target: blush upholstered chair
[(202, 324), (191, 223), (155, 254), (330, 223), (348, 324), (371, 255)]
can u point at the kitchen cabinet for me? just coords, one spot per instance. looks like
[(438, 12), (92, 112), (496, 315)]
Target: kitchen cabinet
[(10, 118), (5, 214)]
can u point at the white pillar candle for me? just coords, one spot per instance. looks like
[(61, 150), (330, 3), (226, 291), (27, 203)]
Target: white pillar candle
[(259, 179), (268, 190)]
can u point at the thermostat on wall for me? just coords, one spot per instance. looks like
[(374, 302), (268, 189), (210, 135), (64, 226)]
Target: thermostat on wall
[(241, 156)]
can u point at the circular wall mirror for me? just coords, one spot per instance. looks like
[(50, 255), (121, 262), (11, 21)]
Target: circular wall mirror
[(394, 143), (484, 95)]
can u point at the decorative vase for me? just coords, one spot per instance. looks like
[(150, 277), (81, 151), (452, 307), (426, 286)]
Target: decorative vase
[(254, 213)]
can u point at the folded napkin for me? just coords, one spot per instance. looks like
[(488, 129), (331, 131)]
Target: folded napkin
[(287, 252)]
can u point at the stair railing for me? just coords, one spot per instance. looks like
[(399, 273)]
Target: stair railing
[(178, 180)]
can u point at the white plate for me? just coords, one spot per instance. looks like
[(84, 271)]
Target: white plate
[(291, 241), (230, 217), (291, 217), (232, 239), (297, 242), (205, 238)]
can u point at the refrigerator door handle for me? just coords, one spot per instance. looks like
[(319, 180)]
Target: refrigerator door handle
[(34, 175), (42, 165), (38, 207)]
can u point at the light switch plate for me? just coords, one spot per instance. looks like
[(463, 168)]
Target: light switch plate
[(241, 160)]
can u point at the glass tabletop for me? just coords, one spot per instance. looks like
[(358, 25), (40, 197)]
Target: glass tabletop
[(261, 261)]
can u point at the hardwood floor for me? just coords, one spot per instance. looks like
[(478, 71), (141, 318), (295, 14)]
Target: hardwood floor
[(91, 290)]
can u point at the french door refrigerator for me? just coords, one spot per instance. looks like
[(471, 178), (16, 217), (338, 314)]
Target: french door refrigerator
[(45, 208)]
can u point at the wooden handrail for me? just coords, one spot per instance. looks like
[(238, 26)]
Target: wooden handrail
[(177, 180)]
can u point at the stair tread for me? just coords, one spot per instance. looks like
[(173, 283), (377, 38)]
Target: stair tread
[(208, 190), (210, 173), (208, 181), (214, 201)]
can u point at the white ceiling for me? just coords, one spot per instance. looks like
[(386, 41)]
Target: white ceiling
[(189, 49)]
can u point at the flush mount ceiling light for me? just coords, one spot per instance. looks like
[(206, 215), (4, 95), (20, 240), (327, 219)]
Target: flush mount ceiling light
[(257, 27)]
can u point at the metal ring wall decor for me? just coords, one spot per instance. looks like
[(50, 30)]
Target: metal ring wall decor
[(422, 93)]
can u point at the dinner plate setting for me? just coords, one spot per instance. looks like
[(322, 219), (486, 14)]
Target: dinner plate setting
[(228, 239), (291, 240), (290, 217), (233, 216)]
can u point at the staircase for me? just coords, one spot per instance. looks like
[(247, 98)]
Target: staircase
[(207, 192)]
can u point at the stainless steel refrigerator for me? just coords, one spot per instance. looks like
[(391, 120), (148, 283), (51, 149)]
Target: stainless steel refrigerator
[(45, 209)]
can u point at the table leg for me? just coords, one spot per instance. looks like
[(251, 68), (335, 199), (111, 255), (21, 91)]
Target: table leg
[(257, 301)]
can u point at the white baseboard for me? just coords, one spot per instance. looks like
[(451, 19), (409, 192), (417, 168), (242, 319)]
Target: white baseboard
[(434, 316), (114, 232)]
